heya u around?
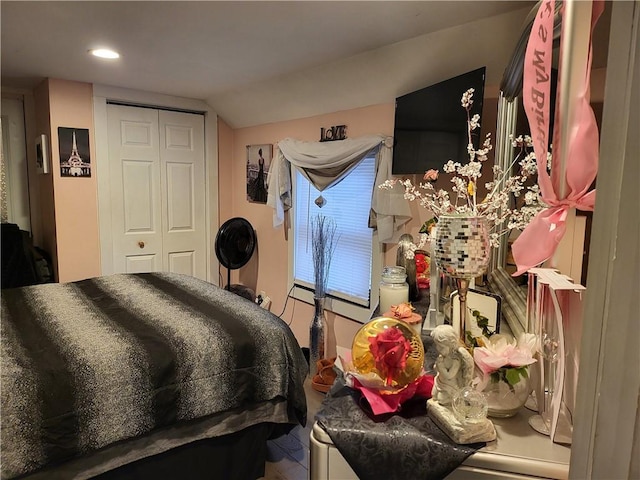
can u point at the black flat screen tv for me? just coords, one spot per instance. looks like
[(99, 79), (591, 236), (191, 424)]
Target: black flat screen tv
[(431, 125)]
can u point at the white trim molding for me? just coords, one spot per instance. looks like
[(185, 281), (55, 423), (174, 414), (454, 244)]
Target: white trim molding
[(606, 437)]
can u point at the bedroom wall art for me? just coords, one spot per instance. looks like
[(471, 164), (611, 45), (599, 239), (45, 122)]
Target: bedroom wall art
[(73, 144), (258, 162)]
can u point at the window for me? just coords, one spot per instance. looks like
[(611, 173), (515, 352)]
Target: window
[(354, 259)]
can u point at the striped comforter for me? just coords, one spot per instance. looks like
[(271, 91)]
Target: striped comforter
[(98, 361)]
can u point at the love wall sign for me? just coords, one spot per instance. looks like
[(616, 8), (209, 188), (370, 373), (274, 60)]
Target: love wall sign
[(337, 132)]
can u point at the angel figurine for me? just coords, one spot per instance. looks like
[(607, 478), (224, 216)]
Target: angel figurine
[(454, 365)]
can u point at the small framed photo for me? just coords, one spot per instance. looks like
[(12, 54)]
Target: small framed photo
[(258, 163), (73, 144), (42, 154), (488, 305)]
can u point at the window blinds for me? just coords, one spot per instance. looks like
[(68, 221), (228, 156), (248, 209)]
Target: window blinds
[(348, 203)]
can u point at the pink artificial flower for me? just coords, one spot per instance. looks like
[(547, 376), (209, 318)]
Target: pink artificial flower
[(390, 349), (431, 175), (502, 351), (403, 310)]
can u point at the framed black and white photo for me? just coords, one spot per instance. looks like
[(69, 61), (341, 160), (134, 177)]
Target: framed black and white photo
[(73, 144), (258, 162), (42, 154)]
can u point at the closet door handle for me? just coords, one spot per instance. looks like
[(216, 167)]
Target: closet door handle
[(141, 244)]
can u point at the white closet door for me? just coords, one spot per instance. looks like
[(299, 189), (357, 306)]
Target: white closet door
[(183, 194), (136, 213), (157, 178)]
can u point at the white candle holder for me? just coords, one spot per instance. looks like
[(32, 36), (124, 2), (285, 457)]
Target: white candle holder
[(394, 288)]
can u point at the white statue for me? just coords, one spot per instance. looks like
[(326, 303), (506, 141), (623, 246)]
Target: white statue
[(454, 365), (454, 371)]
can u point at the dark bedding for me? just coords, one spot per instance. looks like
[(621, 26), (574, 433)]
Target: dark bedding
[(92, 363)]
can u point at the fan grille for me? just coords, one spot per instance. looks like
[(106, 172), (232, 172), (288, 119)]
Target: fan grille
[(235, 243)]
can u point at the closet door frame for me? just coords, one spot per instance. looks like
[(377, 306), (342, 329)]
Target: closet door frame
[(103, 94)]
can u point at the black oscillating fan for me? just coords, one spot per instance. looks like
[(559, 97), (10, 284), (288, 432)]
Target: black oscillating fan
[(235, 243)]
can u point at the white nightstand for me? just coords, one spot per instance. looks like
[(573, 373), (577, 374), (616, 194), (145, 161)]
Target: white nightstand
[(518, 453)]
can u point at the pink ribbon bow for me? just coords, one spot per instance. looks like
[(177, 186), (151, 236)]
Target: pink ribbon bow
[(541, 237)]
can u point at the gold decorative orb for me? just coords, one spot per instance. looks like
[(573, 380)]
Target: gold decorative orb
[(391, 349)]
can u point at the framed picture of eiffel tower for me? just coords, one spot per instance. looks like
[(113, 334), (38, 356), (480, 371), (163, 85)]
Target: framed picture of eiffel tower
[(73, 144)]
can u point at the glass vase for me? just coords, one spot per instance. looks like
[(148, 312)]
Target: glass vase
[(462, 251), (503, 399), (316, 336)]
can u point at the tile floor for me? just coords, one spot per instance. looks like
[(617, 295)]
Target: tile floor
[(288, 456)]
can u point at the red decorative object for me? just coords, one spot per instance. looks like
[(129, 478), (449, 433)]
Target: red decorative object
[(422, 270), (386, 364), (381, 404), (390, 350)]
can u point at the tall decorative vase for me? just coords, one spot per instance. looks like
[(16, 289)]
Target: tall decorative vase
[(462, 251), (555, 309), (316, 336)]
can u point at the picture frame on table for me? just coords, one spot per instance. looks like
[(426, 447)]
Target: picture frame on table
[(487, 303), (42, 154)]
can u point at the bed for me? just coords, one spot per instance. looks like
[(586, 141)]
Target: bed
[(129, 375)]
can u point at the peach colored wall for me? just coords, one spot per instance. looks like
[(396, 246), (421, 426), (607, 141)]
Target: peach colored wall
[(268, 269), (75, 199)]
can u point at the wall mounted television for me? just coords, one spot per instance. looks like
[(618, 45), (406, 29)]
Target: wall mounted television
[(431, 125)]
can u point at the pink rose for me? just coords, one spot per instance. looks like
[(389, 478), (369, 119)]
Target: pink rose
[(390, 350), (403, 310)]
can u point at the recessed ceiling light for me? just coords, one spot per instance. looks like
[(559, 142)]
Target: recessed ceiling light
[(104, 53)]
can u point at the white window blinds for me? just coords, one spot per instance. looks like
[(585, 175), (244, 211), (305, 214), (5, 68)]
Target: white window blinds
[(348, 203)]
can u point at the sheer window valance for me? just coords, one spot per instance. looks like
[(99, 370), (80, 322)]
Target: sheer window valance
[(324, 164)]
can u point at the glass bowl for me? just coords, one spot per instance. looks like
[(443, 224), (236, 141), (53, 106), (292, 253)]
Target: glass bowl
[(390, 349)]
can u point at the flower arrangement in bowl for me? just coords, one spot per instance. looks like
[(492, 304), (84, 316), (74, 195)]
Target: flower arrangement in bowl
[(469, 224), (387, 355), (386, 365), (497, 206), (504, 363)]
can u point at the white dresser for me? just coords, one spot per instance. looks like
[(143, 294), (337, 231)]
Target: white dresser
[(519, 452)]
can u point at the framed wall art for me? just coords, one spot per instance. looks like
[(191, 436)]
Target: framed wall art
[(42, 154), (258, 162), (73, 144)]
